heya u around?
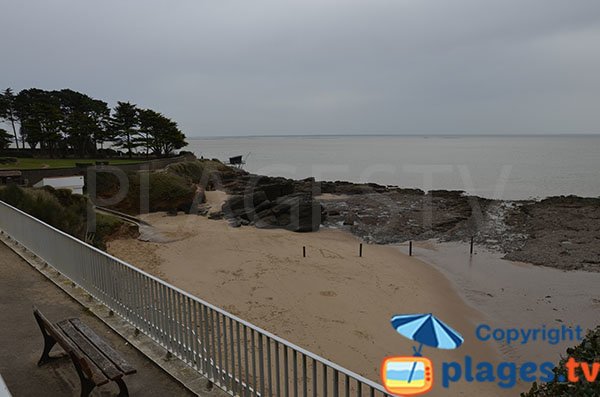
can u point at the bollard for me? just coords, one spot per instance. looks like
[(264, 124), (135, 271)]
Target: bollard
[(304, 252), (360, 250), (410, 248), (471, 251)]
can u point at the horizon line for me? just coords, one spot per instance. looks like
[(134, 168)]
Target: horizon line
[(590, 134)]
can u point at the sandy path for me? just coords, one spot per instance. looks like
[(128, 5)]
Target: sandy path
[(332, 302)]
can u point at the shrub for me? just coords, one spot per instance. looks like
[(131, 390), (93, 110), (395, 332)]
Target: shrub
[(45, 205), (198, 171), (170, 192), (109, 227), (587, 351), (167, 191), (64, 211)]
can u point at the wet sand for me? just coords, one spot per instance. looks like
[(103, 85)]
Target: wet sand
[(518, 295), (332, 302)]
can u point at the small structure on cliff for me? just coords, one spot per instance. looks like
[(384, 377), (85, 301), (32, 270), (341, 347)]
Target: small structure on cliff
[(73, 183)]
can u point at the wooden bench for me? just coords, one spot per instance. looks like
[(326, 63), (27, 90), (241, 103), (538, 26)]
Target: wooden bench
[(95, 361)]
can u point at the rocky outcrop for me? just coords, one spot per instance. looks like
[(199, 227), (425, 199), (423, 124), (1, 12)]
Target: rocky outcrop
[(297, 212), (559, 231), (562, 232), (397, 215)]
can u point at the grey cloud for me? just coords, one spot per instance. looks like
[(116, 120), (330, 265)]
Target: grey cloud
[(236, 67)]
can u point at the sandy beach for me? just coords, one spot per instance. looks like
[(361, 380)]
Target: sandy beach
[(332, 302)]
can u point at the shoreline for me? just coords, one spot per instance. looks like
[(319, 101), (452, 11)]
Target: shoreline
[(265, 269), (260, 275), (517, 294)]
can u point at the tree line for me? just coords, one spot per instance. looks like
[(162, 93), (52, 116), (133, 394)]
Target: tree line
[(59, 123)]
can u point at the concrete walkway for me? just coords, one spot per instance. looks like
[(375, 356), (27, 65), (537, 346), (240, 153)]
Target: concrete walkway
[(21, 288)]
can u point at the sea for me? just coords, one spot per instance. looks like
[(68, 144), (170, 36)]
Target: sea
[(498, 167)]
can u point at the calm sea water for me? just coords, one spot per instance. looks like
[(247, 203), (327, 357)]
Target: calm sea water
[(494, 167)]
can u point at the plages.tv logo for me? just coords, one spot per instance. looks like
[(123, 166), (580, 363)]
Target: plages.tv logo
[(412, 375)]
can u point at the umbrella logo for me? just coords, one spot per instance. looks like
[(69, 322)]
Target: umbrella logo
[(412, 375)]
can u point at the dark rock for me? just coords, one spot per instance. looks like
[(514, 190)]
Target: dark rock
[(268, 222), (299, 213), (296, 212), (215, 215), (245, 206), (233, 222), (349, 220), (275, 190), (264, 214), (267, 204), (245, 201)]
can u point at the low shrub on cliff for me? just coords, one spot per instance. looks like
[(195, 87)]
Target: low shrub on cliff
[(61, 209), (170, 192), (109, 228), (198, 171), (588, 351), (50, 206), (164, 191)]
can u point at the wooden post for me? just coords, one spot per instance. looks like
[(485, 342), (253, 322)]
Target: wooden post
[(304, 252), (360, 250), (410, 248), (471, 251)]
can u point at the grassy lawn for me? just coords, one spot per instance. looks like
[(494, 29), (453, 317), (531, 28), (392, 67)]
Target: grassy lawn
[(29, 163)]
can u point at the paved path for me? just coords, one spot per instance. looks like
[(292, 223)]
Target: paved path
[(22, 287)]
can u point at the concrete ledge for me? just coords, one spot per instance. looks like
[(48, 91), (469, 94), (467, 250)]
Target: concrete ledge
[(176, 368)]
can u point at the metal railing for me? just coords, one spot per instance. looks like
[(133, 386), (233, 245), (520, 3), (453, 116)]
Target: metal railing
[(239, 357)]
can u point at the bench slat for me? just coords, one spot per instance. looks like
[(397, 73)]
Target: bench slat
[(106, 349), (95, 356)]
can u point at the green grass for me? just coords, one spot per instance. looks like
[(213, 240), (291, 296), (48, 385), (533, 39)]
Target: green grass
[(33, 163), (108, 220)]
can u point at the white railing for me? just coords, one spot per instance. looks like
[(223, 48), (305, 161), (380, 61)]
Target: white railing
[(239, 357)]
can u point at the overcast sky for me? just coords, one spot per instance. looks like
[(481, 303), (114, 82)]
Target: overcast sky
[(252, 67)]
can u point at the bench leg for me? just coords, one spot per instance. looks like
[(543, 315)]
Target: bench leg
[(86, 385), (49, 343), (123, 392)]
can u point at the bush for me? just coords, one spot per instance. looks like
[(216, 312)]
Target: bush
[(109, 227), (170, 192), (45, 205), (198, 171), (587, 351), (167, 191), (191, 170), (64, 211)]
